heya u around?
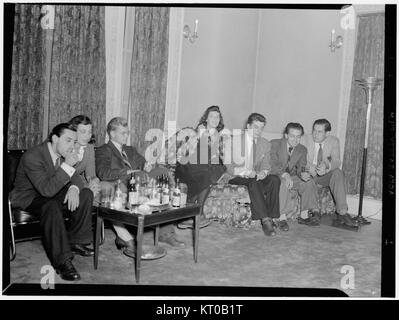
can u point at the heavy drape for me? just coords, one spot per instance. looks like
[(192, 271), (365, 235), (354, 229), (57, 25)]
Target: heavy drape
[(148, 73), (369, 61), (76, 61)]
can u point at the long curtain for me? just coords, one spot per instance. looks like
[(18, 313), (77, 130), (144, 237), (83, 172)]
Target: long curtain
[(369, 61), (148, 73), (27, 79), (78, 82)]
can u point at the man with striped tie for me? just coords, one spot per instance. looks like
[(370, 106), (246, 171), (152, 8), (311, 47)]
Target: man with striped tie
[(288, 160), (116, 161), (323, 164)]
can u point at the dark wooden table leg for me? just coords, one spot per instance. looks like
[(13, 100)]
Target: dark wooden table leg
[(139, 244), (196, 236), (156, 235), (99, 222)]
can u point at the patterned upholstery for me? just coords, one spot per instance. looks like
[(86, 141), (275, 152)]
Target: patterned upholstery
[(230, 205)]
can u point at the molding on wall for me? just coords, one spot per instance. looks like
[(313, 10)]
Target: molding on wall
[(346, 85), (114, 34), (176, 20), (256, 61)]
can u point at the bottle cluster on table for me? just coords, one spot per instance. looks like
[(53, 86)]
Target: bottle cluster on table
[(156, 191)]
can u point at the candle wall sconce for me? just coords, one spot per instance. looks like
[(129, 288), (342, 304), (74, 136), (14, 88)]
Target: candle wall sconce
[(337, 42), (191, 36)]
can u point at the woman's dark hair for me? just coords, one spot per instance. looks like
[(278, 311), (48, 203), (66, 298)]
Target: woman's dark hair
[(81, 119), (204, 118), (59, 129)]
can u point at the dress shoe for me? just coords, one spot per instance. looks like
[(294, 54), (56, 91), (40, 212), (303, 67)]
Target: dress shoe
[(267, 227), (127, 247), (67, 271), (82, 250), (283, 225), (121, 244), (309, 222), (172, 241), (315, 215), (347, 220), (189, 223)]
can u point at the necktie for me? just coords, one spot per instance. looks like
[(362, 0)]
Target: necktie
[(57, 163), (289, 158), (125, 159), (320, 155)]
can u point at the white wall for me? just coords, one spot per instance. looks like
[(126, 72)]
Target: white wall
[(298, 77), (219, 68)]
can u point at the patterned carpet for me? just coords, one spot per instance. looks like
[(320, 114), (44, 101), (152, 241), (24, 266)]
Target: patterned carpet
[(304, 257)]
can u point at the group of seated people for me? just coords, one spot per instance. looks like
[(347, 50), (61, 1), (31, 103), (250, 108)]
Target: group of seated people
[(65, 173)]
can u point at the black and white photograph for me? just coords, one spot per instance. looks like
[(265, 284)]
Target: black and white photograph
[(199, 149)]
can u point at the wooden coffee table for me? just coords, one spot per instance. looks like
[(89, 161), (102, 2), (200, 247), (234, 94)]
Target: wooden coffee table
[(141, 221)]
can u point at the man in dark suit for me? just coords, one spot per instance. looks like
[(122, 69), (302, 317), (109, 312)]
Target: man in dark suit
[(323, 163), (288, 160), (254, 172), (46, 184), (115, 160)]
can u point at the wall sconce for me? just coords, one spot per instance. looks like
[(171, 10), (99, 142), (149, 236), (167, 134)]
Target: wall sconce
[(335, 42), (187, 32)]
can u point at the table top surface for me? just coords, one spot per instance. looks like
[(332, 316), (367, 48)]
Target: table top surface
[(164, 215)]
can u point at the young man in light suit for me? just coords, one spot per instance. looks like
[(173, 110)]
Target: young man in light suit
[(323, 163), (263, 188)]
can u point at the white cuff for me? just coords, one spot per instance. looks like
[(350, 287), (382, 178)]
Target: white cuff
[(68, 169), (73, 186)]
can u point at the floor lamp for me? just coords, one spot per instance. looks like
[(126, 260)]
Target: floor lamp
[(369, 85)]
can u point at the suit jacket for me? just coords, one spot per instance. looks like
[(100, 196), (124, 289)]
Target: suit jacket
[(87, 167), (279, 158), (331, 153), (110, 165), (261, 154), (37, 176)]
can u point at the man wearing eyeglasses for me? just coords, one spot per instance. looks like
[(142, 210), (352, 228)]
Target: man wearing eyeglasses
[(116, 161)]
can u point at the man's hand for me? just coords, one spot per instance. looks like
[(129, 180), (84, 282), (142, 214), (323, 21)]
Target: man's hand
[(94, 185), (321, 169), (72, 197), (261, 175), (71, 158), (312, 170), (288, 181), (249, 174), (305, 176), (147, 167)]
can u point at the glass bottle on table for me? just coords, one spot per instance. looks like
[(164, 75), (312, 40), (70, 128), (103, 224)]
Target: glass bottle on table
[(165, 192), (118, 199), (183, 194), (133, 192), (176, 195)]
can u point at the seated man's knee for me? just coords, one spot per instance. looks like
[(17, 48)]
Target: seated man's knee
[(51, 209), (275, 180), (86, 195)]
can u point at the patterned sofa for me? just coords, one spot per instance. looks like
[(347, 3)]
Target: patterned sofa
[(230, 204)]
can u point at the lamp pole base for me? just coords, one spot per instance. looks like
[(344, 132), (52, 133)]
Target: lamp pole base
[(361, 220)]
